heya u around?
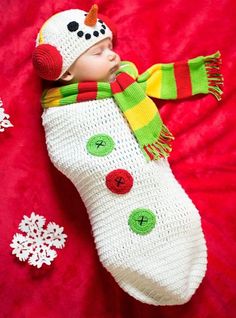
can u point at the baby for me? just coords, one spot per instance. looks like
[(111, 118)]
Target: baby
[(106, 135), (99, 63)]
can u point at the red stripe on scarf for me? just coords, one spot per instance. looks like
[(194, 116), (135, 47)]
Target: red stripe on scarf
[(124, 81), (183, 80), (87, 91)]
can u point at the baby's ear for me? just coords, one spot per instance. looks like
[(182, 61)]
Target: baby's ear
[(67, 76)]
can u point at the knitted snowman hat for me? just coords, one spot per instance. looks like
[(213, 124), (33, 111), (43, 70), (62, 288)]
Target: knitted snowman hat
[(65, 36)]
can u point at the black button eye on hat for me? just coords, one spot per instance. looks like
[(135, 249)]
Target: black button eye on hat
[(73, 26)]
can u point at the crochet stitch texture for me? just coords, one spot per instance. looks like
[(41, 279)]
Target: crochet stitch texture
[(164, 266)]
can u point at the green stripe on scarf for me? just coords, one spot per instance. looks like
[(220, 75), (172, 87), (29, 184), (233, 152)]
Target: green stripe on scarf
[(131, 90), (198, 71), (66, 91), (104, 90), (135, 97), (144, 133), (168, 87)]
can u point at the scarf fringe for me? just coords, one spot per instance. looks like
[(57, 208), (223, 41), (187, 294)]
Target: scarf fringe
[(161, 148), (215, 78)]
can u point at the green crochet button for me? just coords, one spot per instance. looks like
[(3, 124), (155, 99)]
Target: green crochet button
[(142, 221), (100, 145)]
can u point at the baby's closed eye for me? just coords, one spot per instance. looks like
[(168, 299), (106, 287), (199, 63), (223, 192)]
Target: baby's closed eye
[(97, 51)]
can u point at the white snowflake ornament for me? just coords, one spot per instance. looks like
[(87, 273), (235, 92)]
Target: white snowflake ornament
[(4, 118), (36, 244)]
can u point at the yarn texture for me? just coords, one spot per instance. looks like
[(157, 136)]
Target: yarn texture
[(164, 264)]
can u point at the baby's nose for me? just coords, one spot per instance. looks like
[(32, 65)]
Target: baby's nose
[(111, 55)]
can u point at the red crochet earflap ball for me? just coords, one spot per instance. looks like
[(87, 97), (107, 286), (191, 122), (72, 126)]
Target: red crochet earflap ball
[(47, 61)]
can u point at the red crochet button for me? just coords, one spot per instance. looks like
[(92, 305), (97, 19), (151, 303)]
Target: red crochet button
[(119, 181)]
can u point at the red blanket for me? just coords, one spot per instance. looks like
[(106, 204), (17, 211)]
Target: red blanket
[(203, 160)]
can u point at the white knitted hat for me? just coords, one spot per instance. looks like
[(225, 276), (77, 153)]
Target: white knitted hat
[(65, 36)]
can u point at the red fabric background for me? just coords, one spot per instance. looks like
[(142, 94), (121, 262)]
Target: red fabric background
[(203, 160)]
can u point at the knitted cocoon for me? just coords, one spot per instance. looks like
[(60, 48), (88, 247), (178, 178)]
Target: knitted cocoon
[(162, 267)]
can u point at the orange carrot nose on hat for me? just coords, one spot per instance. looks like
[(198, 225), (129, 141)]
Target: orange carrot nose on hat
[(91, 18), (65, 36)]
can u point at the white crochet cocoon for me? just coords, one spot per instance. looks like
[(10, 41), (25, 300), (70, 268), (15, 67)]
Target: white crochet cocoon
[(163, 267)]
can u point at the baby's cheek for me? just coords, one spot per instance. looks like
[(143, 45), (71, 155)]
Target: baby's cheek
[(88, 74), (99, 71)]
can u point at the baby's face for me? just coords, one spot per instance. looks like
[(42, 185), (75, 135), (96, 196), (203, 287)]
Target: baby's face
[(98, 63)]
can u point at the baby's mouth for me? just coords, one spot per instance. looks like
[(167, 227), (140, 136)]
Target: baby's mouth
[(112, 72), (114, 68)]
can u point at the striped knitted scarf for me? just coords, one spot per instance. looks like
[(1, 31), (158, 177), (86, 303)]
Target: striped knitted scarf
[(131, 93)]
